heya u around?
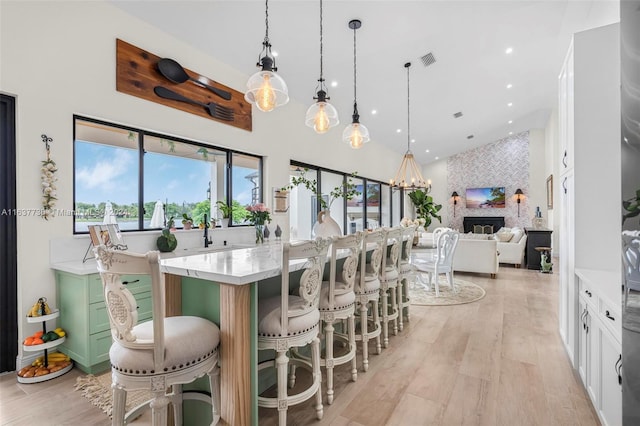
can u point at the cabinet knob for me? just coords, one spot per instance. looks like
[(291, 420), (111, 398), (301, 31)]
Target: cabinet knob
[(588, 293), (130, 282), (564, 159), (564, 185), (608, 315), (618, 368)]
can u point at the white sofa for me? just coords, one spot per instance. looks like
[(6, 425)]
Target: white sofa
[(476, 255), (483, 252)]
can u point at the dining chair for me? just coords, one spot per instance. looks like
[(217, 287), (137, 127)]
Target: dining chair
[(441, 262), (157, 355), (367, 291), (337, 302), (389, 283), (289, 321), (407, 274), (631, 262)]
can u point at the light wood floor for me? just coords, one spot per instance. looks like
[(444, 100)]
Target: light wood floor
[(498, 361)]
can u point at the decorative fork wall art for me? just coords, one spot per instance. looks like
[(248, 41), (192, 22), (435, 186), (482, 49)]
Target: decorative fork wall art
[(138, 74)]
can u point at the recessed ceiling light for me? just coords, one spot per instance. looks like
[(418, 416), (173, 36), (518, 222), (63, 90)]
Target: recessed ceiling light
[(437, 158), (334, 83), (413, 141), (509, 86), (509, 50), (274, 53), (426, 150), (510, 121), (398, 130), (374, 111), (626, 140), (510, 133), (510, 104)]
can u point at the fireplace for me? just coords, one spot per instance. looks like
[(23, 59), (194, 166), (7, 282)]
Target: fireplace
[(469, 221)]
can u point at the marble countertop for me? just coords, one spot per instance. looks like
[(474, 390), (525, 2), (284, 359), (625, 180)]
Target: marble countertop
[(238, 266)]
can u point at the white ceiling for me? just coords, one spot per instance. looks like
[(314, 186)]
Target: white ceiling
[(467, 38)]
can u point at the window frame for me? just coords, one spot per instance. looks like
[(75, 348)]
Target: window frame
[(141, 135)]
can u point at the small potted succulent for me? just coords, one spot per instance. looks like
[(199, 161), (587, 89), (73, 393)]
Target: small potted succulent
[(187, 222), (167, 242)]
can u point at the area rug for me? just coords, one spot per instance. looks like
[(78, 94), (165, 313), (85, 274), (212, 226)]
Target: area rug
[(466, 292), (97, 389)]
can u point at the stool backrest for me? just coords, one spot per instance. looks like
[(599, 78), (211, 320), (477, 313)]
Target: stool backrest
[(392, 251), (372, 249), (121, 304), (314, 255), (407, 242), (347, 276)]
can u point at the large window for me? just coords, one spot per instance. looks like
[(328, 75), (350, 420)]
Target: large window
[(371, 208), (141, 180)]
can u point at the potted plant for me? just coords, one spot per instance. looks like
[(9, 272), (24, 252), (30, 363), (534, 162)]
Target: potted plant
[(325, 226), (187, 222), (167, 242), (226, 212), (171, 224), (425, 207)]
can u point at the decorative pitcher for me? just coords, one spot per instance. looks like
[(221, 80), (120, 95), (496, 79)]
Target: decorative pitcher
[(326, 226)]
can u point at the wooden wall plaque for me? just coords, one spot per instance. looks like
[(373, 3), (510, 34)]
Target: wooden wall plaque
[(137, 74)]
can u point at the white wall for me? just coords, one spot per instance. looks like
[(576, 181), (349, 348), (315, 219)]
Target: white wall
[(437, 172), (58, 59), (552, 149)]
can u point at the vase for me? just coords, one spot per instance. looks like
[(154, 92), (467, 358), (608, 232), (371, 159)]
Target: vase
[(326, 226), (259, 234), (224, 222)]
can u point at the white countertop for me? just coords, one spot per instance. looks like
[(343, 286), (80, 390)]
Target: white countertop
[(239, 266)]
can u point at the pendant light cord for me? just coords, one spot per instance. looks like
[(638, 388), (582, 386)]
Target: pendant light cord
[(321, 50), (408, 65), (355, 101), (266, 21)]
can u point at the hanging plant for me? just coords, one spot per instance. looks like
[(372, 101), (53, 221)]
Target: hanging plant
[(48, 178)]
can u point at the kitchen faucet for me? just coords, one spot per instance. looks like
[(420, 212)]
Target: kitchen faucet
[(207, 240)]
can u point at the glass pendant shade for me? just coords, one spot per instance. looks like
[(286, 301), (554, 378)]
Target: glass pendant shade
[(356, 135), (267, 90), (321, 116)]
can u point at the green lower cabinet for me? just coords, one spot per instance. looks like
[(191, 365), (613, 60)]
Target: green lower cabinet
[(83, 315)]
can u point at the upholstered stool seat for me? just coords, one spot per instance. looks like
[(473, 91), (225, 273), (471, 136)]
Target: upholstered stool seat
[(341, 300), (301, 320), (189, 340)]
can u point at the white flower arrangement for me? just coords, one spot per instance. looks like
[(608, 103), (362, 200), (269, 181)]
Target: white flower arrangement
[(49, 192), (406, 222)]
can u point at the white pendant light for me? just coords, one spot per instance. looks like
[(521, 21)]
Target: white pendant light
[(408, 175), (355, 134), (321, 116), (266, 89)]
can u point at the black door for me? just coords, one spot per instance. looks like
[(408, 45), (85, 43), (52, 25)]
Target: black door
[(8, 250)]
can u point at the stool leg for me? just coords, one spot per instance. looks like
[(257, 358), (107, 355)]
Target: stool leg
[(177, 405), (317, 375), (214, 384), (365, 336), (400, 308), (159, 405), (282, 362), (328, 332), (385, 317), (394, 307), (119, 400), (376, 324), (352, 346)]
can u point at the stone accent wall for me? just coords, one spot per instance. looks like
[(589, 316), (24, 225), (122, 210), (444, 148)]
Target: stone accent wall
[(502, 163)]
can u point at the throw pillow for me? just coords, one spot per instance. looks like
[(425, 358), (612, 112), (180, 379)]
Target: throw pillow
[(504, 237), (517, 235)]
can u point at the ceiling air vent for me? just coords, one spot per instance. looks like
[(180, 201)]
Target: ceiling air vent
[(428, 59), (470, 137), (457, 114)]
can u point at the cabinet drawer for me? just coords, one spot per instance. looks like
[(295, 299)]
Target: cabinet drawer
[(99, 347), (99, 319), (137, 284), (586, 291), (611, 317)]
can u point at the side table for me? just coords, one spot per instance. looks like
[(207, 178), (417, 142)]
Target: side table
[(536, 237), (545, 259)]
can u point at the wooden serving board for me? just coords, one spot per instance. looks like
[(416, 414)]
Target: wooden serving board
[(137, 75)]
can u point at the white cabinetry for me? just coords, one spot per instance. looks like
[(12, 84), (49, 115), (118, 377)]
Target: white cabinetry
[(599, 358), (589, 169)]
